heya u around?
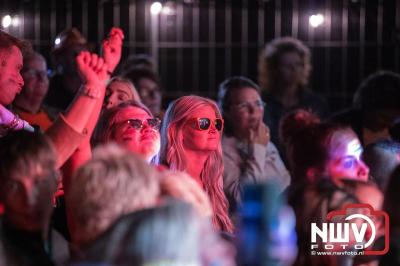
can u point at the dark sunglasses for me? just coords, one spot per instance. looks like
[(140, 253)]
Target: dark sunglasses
[(204, 123), (138, 124)]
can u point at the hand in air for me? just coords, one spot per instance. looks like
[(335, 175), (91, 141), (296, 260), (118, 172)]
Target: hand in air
[(92, 68), (112, 48)]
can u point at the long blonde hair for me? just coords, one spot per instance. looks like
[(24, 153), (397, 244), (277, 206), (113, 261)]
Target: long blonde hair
[(172, 155)]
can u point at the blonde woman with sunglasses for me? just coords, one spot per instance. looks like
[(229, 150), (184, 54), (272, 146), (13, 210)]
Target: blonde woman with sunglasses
[(191, 142), (132, 126)]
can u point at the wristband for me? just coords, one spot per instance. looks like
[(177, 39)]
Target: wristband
[(90, 92)]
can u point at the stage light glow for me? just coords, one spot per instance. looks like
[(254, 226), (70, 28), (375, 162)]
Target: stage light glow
[(167, 10), (6, 21), (57, 41), (316, 20), (155, 8), (15, 21)]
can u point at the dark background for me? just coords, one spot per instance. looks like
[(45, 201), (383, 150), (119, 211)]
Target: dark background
[(203, 42)]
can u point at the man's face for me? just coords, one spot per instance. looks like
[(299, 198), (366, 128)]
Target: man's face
[(150, 94), (36, 81), (28, 199), (11, 81)]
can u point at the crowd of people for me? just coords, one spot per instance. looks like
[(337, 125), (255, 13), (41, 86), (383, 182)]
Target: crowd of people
[(93, 171)]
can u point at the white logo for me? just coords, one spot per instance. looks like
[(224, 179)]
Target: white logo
[(350, 231)]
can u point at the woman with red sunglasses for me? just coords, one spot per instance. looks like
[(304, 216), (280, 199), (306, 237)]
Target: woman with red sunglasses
[(191, 142)]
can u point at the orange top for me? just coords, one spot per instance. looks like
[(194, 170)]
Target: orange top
[(41, 118)]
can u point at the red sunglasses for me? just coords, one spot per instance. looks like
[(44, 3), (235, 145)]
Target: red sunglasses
[(204, 123)]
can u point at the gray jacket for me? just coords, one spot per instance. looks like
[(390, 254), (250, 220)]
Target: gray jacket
[(250, 164)]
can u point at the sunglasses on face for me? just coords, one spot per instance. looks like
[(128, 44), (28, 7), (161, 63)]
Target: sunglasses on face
[(138, 124), (205, 123)]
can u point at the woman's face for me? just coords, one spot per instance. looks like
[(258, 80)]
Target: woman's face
[(346, 162), (246, 110), (138, 131), (116, 93), (206, 139), (290, 68)]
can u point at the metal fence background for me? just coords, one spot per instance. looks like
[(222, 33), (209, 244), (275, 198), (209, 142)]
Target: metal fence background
[(200, 42)]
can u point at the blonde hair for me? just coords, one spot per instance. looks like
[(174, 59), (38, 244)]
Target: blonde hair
[(172, 154), (113, 183), (270, 56), (129, 84), (104, 131)]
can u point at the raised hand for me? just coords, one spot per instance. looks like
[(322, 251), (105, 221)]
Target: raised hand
[(112, 48), (92, 68), (260, 134)]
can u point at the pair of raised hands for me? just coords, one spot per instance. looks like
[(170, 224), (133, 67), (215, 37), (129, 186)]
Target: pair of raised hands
[(94, 69)]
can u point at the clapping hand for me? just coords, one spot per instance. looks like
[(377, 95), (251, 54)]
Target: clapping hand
[(112, 48)]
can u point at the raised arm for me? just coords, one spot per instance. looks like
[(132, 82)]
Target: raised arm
[(112, 49), (70, 129), (83, 153)]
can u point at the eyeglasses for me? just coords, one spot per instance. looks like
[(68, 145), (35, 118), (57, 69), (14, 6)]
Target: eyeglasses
[(205, 123), (138, 124), (259, 104)]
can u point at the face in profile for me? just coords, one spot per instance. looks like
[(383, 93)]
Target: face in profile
[(11, 81), (36, 80), (290, 68), (246, 110), (28, 199), (138, 131), (116, 93), (202, 131), (150, 94), (346, 162)]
